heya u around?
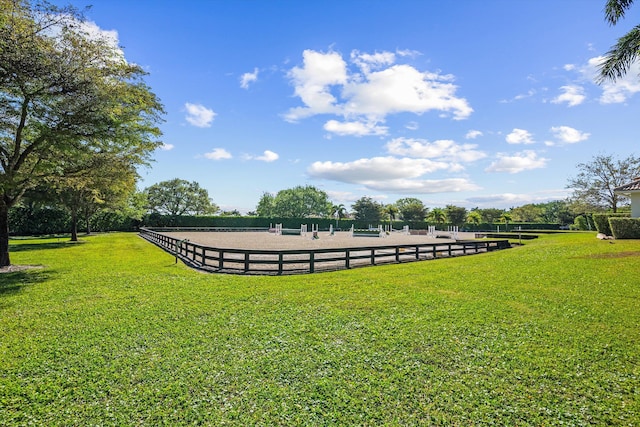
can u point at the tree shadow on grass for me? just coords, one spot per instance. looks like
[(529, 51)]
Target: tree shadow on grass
[(13, 282), (39, 246)]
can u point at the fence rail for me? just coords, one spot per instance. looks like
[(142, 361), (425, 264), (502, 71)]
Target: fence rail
[(300, 261)]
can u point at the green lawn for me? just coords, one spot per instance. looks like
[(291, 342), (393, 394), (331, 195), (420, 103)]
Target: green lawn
[(112, 332)]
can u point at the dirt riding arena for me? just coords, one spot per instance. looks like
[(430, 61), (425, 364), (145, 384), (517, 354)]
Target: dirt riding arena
[(262, 252), (271, 241)]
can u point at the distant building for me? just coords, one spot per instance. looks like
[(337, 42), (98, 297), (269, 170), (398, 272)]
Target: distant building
[(631, 190)]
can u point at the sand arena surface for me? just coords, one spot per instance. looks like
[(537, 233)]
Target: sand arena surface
[(270, 241)]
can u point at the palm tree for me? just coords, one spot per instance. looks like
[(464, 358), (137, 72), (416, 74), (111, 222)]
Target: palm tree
[(474, 218), (506, 218), (626, 51), (438, 215), (338, 211), (391, 211)]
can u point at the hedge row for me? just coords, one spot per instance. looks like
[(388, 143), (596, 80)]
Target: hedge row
[(31, 221), (625, 228), (602, 221)]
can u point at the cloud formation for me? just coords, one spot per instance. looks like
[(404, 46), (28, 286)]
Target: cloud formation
[(218, 154), (198, 115), (248, 78), (572, 94), (166, 147), (268, 156), (366, 90), (519, 136), (444, 150), (568, 135), (519, 162)]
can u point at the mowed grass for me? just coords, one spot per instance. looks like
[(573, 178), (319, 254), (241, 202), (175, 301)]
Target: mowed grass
[(112, 332)]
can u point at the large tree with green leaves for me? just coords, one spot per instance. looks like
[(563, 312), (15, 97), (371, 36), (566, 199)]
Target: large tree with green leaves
[(367, 209), (179, 197), (597, 179), (456, 215), (626, 50), (301, 202), (64, 92), (412, 209)]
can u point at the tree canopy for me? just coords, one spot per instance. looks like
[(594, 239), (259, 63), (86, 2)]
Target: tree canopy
[(64, 92), (412, 209), (298, 202), (596, 180), (367, 209), (179, 197)]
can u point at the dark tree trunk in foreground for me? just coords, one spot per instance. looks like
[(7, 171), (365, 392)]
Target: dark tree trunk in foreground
[(4, 235)]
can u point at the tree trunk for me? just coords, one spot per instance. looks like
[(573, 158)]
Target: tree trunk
[(4, 235), (74, 225)]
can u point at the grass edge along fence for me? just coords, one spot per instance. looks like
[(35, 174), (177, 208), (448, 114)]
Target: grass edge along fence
[(301, 261)]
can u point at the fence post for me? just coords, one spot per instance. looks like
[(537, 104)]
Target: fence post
[(246, 262), (221, 260), (280, 263), (347, 253), (312, 259)]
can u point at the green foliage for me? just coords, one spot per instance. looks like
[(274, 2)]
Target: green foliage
[(619, 59), (595, 183), (112, 330), (581, 223), (625, 228), (179, 197), (65, 94), (412, 209), (456, 215), (301, 202), (30, 221), (601, 222), (367, 209)]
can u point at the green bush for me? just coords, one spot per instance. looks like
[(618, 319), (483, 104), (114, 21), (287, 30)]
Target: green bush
[(601, 221), (625, 228), (25, 221), (580, 223)]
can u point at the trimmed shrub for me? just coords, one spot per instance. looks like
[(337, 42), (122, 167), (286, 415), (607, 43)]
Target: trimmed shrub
[(602, 221), (625, 228)]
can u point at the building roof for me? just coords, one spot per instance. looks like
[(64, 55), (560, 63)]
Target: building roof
[(632, 187)]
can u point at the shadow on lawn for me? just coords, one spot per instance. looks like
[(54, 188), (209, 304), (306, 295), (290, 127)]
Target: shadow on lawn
[(13, 282), (39, 246)]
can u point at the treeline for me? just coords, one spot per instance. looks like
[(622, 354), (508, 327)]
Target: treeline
[(51, 220)]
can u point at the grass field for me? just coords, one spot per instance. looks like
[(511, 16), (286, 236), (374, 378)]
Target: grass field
[(112, 332)]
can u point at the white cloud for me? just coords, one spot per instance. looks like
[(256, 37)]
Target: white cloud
[(402, 88), (166, 147), (412, 126), (613, 92), (268, 156), (506, 200), (218, 154), (374, 169), (473, 134), (428, 186), (398, 175), (569, 135), (248, 78), (519, 136), (527, 160), (313, 83), (572, 94), (199, 115), (445, 150), (325, 85), (569, 67), (354, 128)]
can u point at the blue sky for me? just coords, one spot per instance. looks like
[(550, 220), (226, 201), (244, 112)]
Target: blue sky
[(472, 103)]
